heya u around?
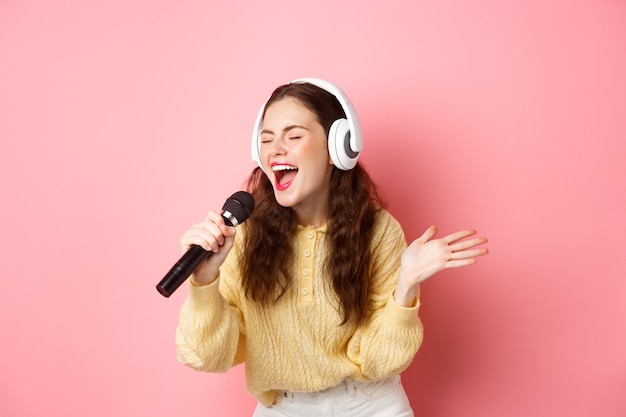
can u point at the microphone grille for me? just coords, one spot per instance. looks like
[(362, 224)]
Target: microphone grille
[(240, 206)]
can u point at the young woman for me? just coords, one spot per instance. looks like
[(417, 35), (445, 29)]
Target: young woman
[(317, 292)]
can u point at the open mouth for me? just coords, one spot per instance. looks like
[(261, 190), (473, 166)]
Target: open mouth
[(284, 175)]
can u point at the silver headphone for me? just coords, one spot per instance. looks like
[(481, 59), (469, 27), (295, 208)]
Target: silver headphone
[(345, 139)]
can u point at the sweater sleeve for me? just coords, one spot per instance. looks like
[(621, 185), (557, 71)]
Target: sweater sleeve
[(387, 342), (210, 335)]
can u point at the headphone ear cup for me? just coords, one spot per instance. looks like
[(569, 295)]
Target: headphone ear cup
[(342, 155)]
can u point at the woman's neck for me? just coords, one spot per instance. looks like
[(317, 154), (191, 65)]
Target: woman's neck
[(316, 221)]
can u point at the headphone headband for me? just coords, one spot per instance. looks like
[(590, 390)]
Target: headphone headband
[(345, 138)]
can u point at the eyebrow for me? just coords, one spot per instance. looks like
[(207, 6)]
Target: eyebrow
[(286, 129)]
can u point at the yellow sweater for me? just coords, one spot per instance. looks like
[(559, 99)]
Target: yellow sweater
[(297, 344)]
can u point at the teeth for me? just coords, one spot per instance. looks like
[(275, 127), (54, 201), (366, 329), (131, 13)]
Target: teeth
[(283, 167)]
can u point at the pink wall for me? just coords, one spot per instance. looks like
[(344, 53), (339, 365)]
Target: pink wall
[(123, 122)]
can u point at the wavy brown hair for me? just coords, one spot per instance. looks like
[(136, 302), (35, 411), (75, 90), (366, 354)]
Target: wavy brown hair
[(270, 230)]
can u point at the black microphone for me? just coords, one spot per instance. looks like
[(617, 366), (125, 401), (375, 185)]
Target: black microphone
[(236, 210)]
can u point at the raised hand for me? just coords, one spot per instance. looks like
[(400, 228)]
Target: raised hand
[(426, 256)]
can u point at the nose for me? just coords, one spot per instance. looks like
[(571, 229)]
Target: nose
[(277, 146)]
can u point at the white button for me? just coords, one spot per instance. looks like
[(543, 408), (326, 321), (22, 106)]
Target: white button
[(305, 291), (309, 235), (306, 272), (307, 253)]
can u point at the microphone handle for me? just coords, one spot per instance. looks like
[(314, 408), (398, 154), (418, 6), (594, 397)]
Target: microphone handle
[(182, 269)]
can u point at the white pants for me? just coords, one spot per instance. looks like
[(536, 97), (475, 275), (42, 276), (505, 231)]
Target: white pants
[(385, 398)]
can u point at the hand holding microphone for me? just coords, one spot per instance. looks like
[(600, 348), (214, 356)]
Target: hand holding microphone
[(211, 238)]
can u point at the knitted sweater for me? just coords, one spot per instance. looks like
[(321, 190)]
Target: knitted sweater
[(298, 344)]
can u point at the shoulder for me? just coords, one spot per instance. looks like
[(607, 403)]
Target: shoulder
[(386, 230)]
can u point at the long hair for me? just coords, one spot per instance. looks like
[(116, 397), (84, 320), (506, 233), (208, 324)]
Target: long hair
[(270, 230)]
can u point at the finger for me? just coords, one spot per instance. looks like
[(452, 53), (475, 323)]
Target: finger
[(468, 254), (228, 231), (216, 218), (460, 263), (427, 235), (224, 230), (451, 238), (219, 221), (208, 235), (466, 244), (199, 238)]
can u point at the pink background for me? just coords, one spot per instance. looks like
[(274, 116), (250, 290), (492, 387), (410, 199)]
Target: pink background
[(123, 122)]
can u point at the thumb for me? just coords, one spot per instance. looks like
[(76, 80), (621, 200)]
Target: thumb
[(427, 235), (228, 230)]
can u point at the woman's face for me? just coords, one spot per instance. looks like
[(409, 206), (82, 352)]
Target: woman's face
[(294, 153)]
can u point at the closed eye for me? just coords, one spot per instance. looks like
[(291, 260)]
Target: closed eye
[(265, 138)]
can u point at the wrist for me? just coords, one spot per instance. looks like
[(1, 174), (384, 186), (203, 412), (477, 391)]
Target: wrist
[(406, 297), (197, 281)]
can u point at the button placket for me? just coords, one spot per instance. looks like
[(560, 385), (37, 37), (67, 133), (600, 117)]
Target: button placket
[(307, 248)]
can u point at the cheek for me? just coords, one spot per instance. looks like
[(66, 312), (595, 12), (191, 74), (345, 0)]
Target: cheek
[(319, 151), (264, 154)]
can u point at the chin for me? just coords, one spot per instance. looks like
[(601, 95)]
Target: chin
[(283, 200)]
